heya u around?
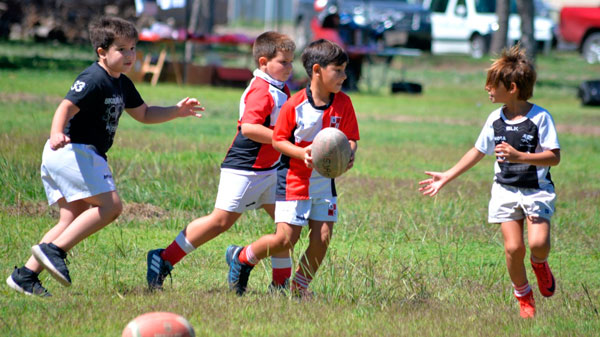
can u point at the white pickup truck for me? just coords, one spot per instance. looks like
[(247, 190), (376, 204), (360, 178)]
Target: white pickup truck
[(467, 26)]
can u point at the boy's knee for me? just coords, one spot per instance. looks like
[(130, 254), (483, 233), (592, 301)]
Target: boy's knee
[(515, 250), (539, 245), (323, 236), (116, 209), (221, 223), (283, 242)]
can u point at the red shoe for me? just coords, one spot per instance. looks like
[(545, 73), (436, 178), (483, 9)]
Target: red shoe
[(526, 305), (545, 279)]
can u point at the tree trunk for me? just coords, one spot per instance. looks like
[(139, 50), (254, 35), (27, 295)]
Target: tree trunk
[(500, 36), (525, 8)]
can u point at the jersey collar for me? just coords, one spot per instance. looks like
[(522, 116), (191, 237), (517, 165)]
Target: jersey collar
[(261, 74), (312, 102)]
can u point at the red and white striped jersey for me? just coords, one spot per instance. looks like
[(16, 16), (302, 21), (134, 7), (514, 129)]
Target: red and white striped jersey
[(260, 104), (299, 122)]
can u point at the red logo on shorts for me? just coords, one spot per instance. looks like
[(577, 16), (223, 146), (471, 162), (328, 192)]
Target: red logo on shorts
[(332, 210)]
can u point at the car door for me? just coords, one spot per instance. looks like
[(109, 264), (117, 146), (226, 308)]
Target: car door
[(449, 28)]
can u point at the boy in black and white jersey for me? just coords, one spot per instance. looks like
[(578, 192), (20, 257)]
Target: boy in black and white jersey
[(75, 171), (523, 137)]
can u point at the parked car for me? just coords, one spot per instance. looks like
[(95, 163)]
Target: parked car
[(388, 23), (391, 23), (467, 26), (581, 26)]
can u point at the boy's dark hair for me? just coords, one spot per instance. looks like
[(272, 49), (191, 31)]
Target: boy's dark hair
[(322, 52), (106, 29), (513, 65), (268, 44)]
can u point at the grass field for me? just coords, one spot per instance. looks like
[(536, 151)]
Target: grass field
[(399, 264)]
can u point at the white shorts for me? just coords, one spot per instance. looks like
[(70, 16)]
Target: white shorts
[(74, 172), (298, 212), (241, 190), (513, 203)]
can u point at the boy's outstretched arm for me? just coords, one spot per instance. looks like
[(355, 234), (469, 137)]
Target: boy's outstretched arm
[(438, 179), (505, 152), (65, 111), (157, 114)]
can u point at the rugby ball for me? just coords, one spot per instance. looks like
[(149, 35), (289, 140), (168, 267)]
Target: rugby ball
[(331, 152), (155, 324)]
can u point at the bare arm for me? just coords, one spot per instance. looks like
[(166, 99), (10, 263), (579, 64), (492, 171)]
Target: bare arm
[(293, 151), (439, 179), (353, 148), (156, 114), (505, 152), (65, 111), (258, 133)]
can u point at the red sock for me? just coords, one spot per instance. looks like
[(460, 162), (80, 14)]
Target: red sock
[(179, 248), (280, 275), (282, 269), (173, 253), (243, 257), (301, 281)]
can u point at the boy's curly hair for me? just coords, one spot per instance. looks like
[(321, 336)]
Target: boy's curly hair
[(268, 44), (323, 52), (513, 65), (106, 29)]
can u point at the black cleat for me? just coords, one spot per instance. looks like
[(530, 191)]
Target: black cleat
[(27, 282)]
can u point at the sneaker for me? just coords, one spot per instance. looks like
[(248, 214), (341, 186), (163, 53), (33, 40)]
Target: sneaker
[(238, 272), (158, 269), (279, 289), (526, 305), (301, 293), (27, 282), (545, 279), (54, 260)]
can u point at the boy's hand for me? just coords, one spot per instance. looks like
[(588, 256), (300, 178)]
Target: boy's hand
[(308, 156), (434, 184), (58, 140), (505, 152), (351, 162), (189, 107)]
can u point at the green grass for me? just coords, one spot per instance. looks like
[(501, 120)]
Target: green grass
[(399, 264)]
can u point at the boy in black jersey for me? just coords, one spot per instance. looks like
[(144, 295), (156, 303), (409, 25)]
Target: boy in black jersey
[(75, 172), (523, 138)]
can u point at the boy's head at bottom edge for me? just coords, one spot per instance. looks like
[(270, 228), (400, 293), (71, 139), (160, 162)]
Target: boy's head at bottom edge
[(325, 63), (274, 53)]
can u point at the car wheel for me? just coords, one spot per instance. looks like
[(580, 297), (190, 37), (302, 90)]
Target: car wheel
[(591, 48), (478, 46)]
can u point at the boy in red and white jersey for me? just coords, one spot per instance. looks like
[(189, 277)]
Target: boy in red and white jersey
[(304, 197), (248, 172)]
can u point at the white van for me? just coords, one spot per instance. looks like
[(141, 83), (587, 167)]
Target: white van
[(467, 26)]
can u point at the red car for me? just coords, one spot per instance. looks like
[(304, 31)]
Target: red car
[(581, 26)]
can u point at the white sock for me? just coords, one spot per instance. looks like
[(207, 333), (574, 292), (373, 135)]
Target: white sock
[(522, 290)]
